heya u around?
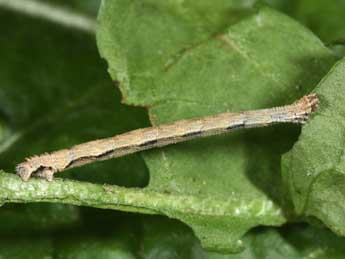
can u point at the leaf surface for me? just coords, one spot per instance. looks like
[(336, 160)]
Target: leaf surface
[(55, 92), (314, 170), (187, 59)]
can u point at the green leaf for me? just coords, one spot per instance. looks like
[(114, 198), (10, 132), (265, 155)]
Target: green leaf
[(55, 92), (96, 246), (290, 241), (158, 237), (163, 238), (168, 57), (89, 7), (37, 218), (324, 18), (64, 97), (339, 49), (17, 247), (167, 238), (314, 170)]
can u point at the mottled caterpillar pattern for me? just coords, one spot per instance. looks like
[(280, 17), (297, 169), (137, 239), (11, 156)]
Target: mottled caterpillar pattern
[(46, 165)]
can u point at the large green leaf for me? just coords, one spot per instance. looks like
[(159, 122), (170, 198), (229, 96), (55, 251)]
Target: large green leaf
[(314, 169), (187, 59)]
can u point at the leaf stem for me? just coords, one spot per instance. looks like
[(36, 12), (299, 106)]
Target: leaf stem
[(14, 190), (52, 13)]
